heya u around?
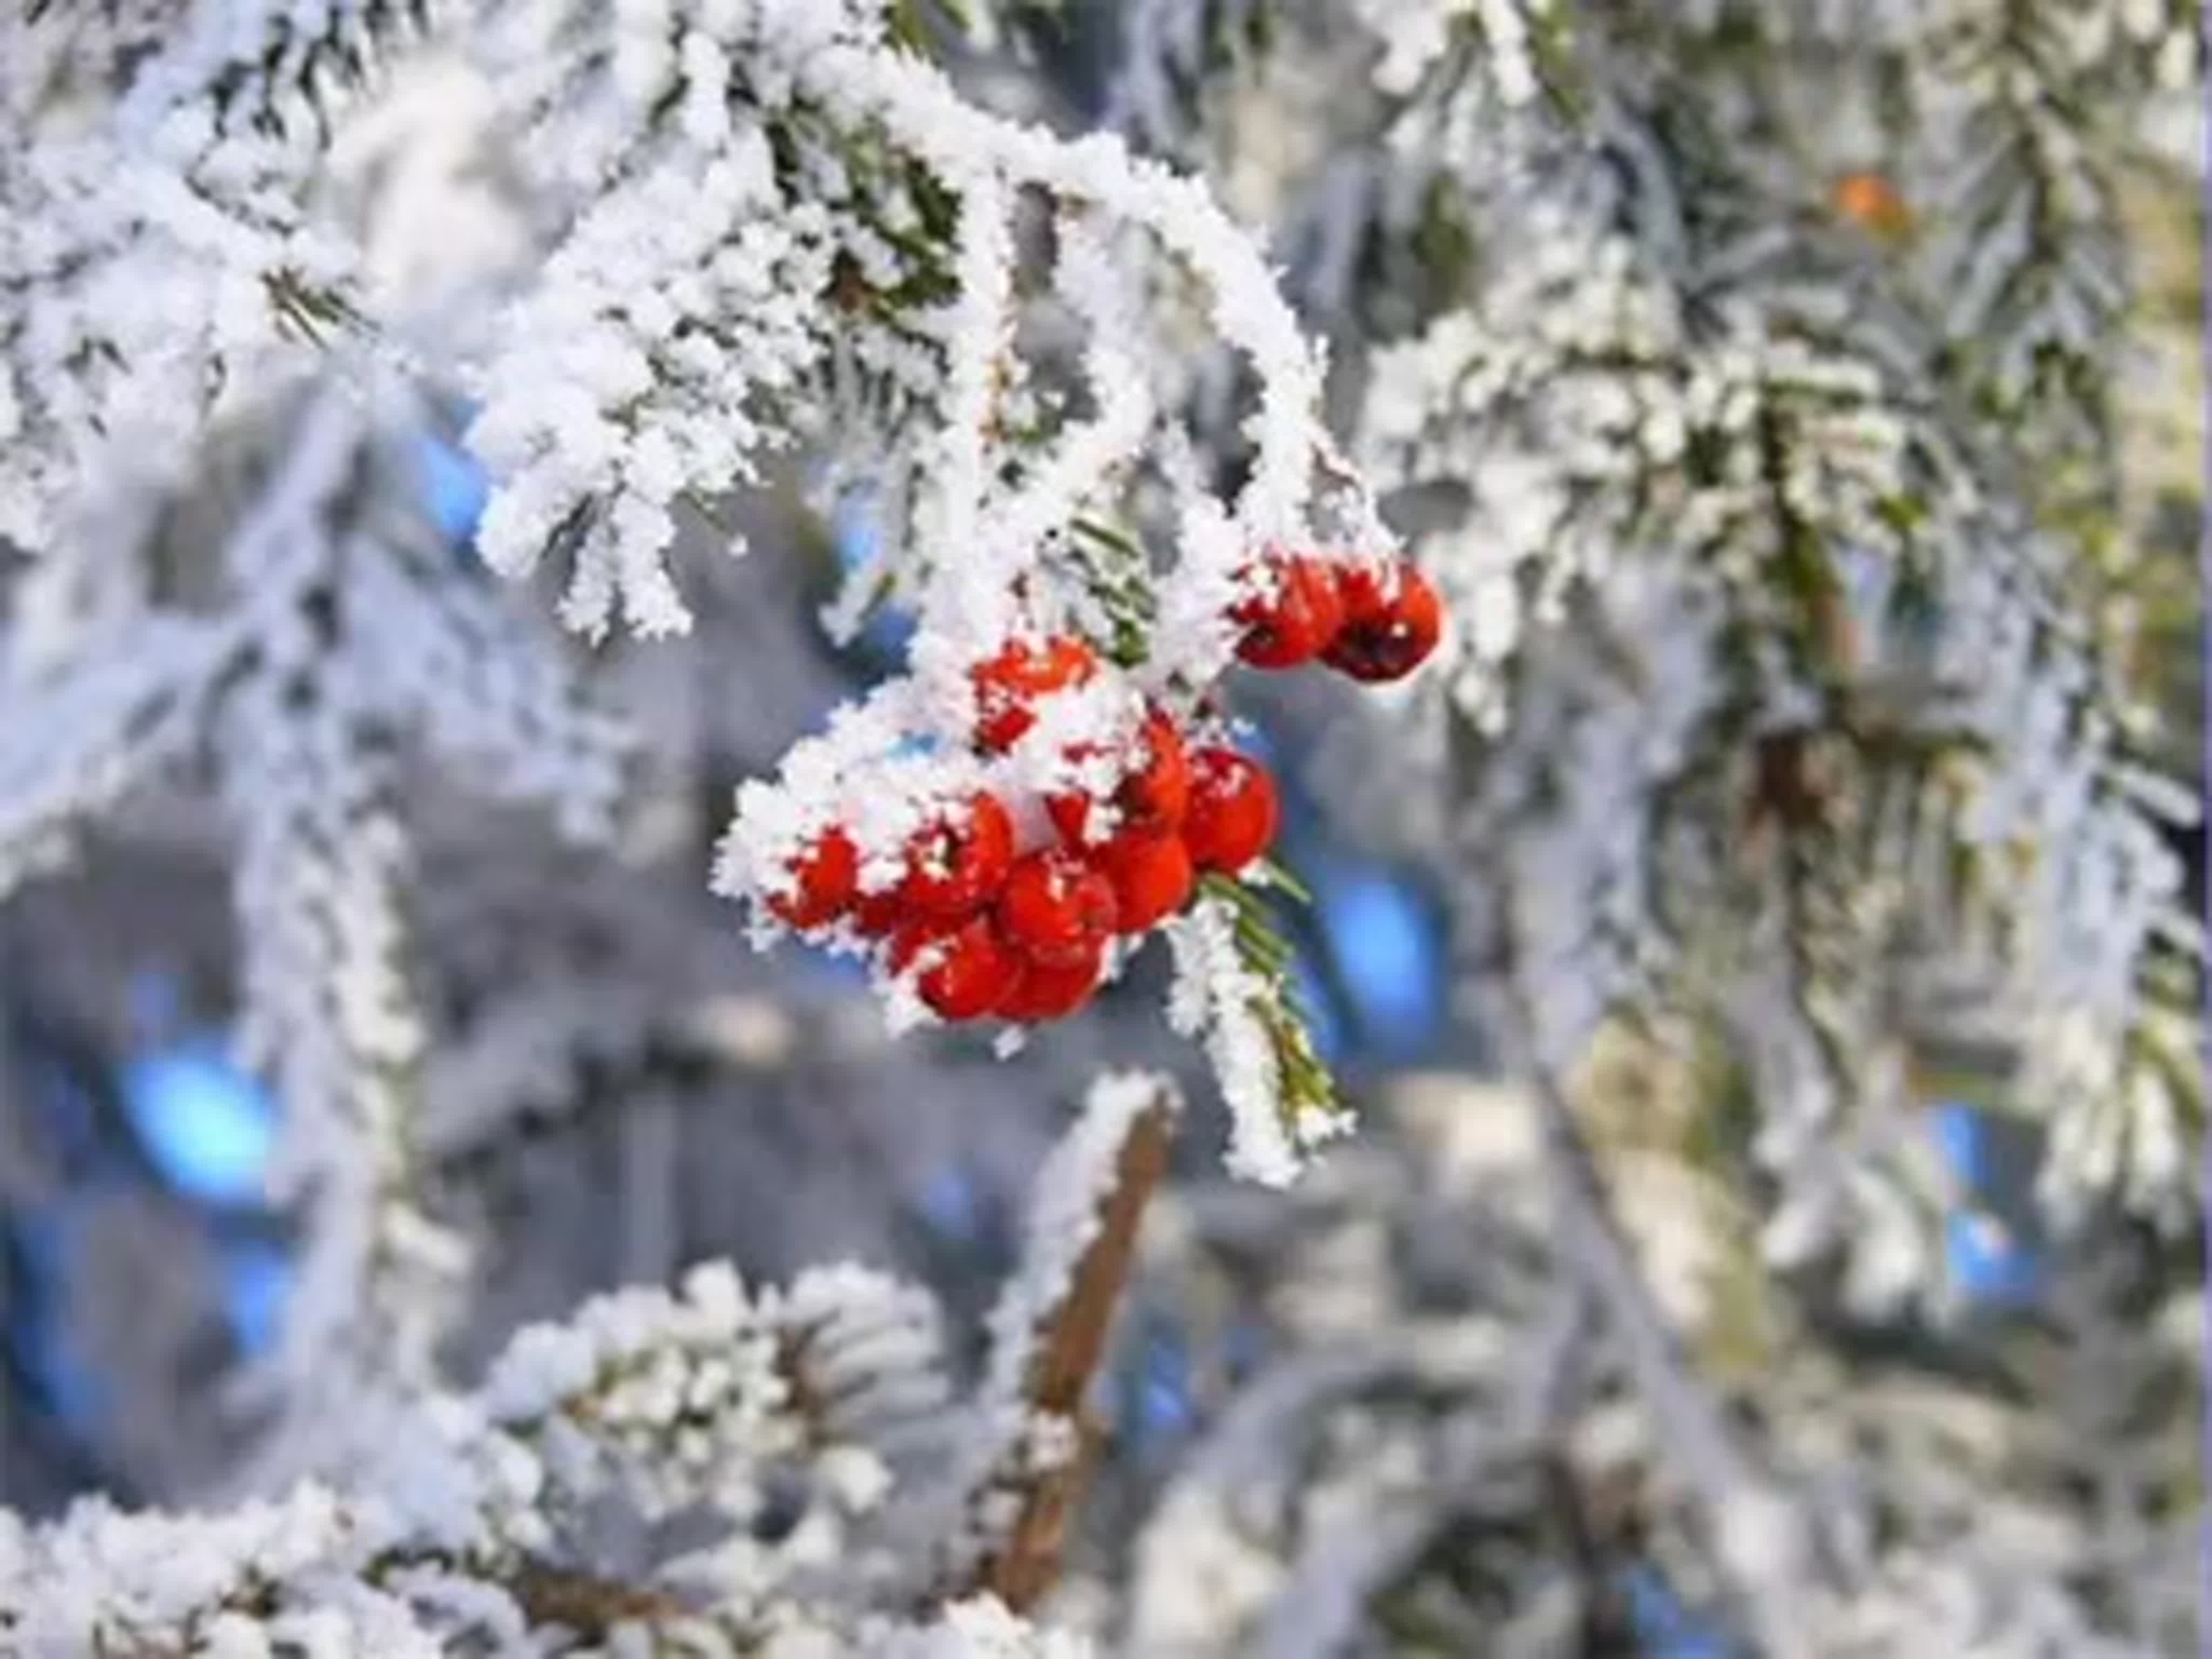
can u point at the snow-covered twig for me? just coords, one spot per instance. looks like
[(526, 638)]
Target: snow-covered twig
[(1049, 1332)]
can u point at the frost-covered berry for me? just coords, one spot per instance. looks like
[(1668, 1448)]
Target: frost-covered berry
[(1056, 908), (878, 915), (1294, 620), (1009, 685), (1157, 794), (1152, 796), (1233, 810), (958, 864), (1044, 990), (825, 880), (967, 967), (1153, 878), (1389, 628)]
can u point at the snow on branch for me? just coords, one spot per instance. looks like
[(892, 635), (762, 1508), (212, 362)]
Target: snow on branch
[(459, 1534), (767, 224), (336, 640), (1232, 990), (814, 243), (727, 233), (1804, 649), (1993, 136)]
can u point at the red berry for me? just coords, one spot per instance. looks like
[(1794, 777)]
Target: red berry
[(1233, 810), (877, 915), (1295, 622), (1055, 908), (826, 879), (957, 863), (1157, 794), (1152, 798), (1152, 876), (1009, 685), (1387, 633), (1070, 814), (969, 969), (1043, 990)]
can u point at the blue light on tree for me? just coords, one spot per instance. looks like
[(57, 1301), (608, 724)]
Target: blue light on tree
[(1163, 1402), (1987, 1247), (453, 486), (1665, 1628), (207, 1125), (1989, 1262), (69, 1388), (257, 1276), (1389, 955), (889, 627), (1960, 1137), (952, 1202), (208, 1128)]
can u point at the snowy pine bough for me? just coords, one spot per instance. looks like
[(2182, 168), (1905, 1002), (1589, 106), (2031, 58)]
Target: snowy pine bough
[(726, 233), (810, 1436), (648, 250), (1790, 698)]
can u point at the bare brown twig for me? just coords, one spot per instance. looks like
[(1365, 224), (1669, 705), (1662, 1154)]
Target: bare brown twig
[(583, 1603), (1068, 1352)]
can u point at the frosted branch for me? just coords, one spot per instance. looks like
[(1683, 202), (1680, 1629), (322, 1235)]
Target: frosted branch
[(1048, 1331)]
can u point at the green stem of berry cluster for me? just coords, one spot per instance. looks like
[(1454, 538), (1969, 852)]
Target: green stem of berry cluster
[(1307, 1087), (308, 311), (1118, 572)]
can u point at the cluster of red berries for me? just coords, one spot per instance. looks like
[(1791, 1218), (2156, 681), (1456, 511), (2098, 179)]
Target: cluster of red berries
[(1372, 627), (991, 929), (1024, 935)]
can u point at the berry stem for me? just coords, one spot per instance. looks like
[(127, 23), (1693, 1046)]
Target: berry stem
[(1270, 872), (1307, 1086), (1118, 573)]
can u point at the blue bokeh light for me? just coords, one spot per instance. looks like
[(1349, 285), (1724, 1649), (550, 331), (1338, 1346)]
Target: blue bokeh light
[(67, 1109), (1963, 1140), (258, 1276), (1388, 953), (1988, 1261), (952, 1203), (207, 1125), (1665, 1628), (1164, 1404), (453, 486), (1983, 1250), (1254, 740), (70, 1388), (889, 628)]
